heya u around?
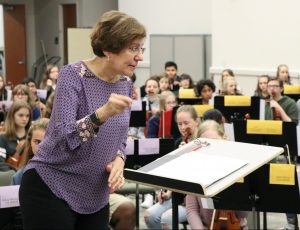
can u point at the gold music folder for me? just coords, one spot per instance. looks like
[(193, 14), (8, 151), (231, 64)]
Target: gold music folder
[(283, 174), (201, 109), (291, 89), (187, 94), (237, 100), (264, 127)]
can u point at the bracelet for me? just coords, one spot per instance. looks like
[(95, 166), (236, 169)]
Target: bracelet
[(122, 155), (95, 119)]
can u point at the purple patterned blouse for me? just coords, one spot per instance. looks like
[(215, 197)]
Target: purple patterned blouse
[(73, 156)]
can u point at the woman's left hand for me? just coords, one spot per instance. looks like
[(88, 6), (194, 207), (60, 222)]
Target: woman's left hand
[(115, 169)]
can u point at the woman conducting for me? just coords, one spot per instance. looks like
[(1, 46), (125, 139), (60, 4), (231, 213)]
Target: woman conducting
[(67, 184)]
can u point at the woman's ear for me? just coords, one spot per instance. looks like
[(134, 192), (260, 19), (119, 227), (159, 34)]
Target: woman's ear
[(107, 54)]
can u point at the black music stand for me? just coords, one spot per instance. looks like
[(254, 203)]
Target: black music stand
[(136, 161), (189, 101), (257, 194), (288, 137), (196, 100), (295, 97), (158, 173), (138, 118), (232, 113)]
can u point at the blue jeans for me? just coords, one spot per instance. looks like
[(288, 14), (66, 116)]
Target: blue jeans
[(159, 216)]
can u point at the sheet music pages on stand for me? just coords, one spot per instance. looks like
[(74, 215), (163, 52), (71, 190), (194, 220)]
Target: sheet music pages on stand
[(204, 167), (213, 167)]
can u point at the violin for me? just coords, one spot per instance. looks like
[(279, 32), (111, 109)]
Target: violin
[(225, 219), (188, 133), (247, 116), (275, 111), (14, 160)]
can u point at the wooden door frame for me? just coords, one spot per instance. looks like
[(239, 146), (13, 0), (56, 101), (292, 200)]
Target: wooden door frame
[(61, 28), (11, 77)]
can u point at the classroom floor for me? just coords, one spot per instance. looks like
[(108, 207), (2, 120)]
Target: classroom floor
[(274, 220)]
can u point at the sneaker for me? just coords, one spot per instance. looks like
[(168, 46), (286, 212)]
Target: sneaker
[(148, 202)]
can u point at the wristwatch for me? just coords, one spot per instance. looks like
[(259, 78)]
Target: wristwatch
[(95, 119), (122, 155)]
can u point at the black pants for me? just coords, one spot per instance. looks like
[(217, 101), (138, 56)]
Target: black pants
[(41, 209)]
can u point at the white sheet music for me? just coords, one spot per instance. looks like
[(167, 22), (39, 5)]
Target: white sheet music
[(203, 168), (129, 150), (42, 93), (136, 105), (148, 146), (9, 196), (228, 127)]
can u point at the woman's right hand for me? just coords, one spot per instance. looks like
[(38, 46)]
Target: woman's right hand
[(116, 105)]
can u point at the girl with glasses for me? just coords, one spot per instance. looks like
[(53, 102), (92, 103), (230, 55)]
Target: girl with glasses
[(22, 93)]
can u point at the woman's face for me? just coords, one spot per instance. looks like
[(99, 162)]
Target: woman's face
[(125, 62), (22, 117), (225, 75), (164, 84), (231, 88), (32, 87), (21, 96), (206, 93), (151, 88), (53, 75), (283, 73), (170, 102), (185, 83), (263, 84), (171, 72), (184, 121), (37, 137)]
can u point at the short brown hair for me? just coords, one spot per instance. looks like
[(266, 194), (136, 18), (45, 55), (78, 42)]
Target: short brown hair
[(114, 31), (278, 80), (25, 90)]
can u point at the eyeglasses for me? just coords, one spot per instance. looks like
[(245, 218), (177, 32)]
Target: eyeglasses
[(273, 86), (137, 50)]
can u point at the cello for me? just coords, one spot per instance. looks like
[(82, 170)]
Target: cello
[(225, 219)]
